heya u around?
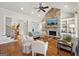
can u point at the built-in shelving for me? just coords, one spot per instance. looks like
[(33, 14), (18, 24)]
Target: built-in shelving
[(68, 26)]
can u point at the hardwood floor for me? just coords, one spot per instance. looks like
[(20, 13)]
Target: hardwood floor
[(52, 50), (10, 49), (52, 47)]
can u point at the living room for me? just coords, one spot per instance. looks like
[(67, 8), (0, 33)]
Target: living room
[(39, 28)]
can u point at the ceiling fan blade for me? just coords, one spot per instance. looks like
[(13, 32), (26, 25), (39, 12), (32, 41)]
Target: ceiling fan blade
[(45, 7), (43, 10)]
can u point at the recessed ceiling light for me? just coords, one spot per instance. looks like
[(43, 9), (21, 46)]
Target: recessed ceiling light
[(22, 8), (39, 15), (32, 12), (66, 6)]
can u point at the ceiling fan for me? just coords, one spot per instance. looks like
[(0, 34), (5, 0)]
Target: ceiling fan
[(41, 7)]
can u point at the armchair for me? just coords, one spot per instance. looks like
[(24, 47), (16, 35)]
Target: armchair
[(65, 44), (39, 47)]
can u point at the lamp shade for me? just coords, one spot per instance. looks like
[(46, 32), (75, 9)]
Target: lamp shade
[(72, 26)]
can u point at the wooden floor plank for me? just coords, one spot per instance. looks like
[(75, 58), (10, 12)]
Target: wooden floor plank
[(52, 50)]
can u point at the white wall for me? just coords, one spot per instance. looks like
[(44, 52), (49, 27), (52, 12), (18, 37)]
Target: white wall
[(78, 23), (66, 14), (1, 24), (16, 18)]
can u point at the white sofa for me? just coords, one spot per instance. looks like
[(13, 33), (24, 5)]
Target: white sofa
[(26, 44)]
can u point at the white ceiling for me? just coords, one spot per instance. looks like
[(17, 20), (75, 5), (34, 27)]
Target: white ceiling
[(29, 7)]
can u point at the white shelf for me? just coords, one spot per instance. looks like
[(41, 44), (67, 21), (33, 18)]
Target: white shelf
[(65, 26)]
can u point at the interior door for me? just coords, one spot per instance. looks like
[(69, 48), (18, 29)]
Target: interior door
[(8, 21), (25, 28)]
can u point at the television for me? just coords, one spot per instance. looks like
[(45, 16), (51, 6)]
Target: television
[(52, 22)]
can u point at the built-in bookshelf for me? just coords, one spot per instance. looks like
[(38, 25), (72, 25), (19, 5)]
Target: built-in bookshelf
[(68, 26)]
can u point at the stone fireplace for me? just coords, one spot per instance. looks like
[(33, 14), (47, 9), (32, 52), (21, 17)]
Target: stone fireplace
[(53, 13)]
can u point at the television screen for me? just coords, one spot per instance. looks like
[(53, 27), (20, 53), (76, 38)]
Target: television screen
[(52, 21)]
